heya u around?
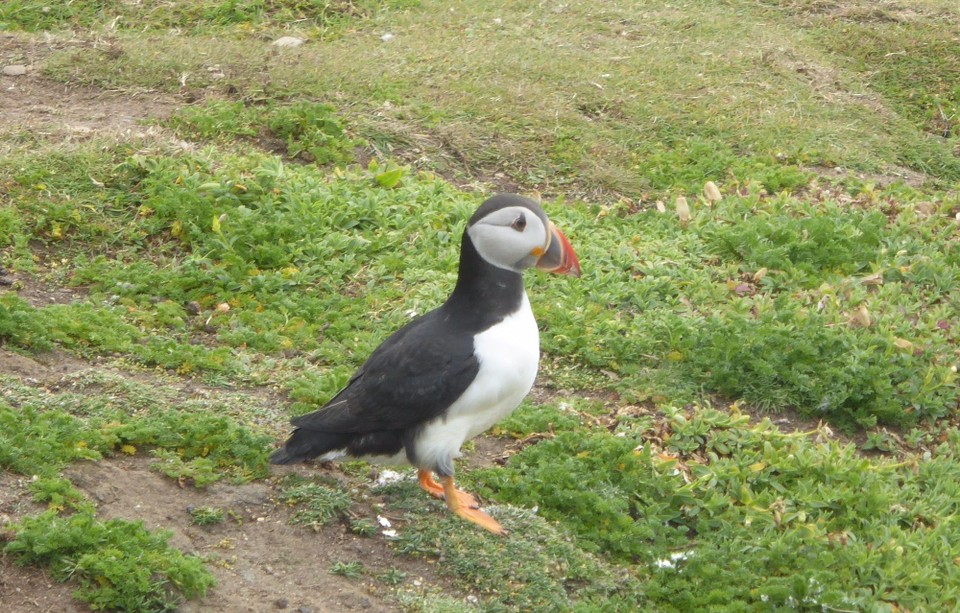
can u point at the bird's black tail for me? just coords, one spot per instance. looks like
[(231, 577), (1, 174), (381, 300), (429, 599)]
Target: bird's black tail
[(307, 444)]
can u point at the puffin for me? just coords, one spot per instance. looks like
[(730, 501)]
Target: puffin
[(452, 373)]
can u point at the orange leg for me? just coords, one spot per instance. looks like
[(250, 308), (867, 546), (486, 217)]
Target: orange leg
[(465, 505)]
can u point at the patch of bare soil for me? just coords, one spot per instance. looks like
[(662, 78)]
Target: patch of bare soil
[(30, 102), (261, 562), (24, 590), (36, 292), (46, 368), (866, 11), (880, 179)]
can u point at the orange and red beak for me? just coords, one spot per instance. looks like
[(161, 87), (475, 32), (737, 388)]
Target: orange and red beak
[(558, 256)]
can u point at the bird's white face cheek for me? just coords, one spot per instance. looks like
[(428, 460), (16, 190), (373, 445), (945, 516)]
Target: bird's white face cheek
[(504, 243)]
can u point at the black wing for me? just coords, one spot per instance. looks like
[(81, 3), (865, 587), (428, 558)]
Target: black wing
[(412, 377)]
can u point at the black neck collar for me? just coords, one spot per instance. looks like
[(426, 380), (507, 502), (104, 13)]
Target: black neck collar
[(484, 293)]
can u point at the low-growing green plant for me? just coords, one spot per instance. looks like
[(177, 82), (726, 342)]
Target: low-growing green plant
[(37, 439), (537, 418), (205, 515), (879, 441), (545, 570), (350, 570), (799, 239), (59, 494), (41, 443), (11, 225), (726, 515), (119, 565), (787, 357), (20, 326), (393, 577), (198, 471), (197, 446), (309, 131), (363, 527), (88, 330), (618, 497), (316, 504)]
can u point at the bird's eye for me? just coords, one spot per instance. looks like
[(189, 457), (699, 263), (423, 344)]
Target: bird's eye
[(519, 223)]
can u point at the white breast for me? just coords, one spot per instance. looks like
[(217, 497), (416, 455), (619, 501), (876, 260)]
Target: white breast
[(509, 354)]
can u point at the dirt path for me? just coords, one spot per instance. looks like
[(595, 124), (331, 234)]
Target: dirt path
[(261, 562), (30, 102)]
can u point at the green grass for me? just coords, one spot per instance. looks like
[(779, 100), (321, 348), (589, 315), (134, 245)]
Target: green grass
[(266, 257), (763, 519), (666, 310), (280, 248), (242, 16), (605, 100), (910, 56), (539, 565), (305, 131)]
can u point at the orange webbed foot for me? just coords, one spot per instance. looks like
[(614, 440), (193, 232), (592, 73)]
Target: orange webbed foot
[(466, 506)]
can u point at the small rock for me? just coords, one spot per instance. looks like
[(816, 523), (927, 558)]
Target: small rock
[(288, 41), (387, 37), (15, 70)]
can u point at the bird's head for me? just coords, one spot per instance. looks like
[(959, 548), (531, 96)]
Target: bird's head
[(513, 232)]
